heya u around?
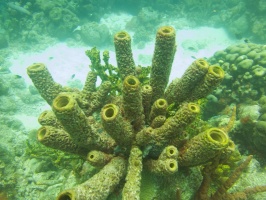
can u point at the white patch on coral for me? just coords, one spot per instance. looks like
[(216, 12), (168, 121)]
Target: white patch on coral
[(249, 111)]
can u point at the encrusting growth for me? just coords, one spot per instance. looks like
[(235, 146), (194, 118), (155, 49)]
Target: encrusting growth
[(127, 130)]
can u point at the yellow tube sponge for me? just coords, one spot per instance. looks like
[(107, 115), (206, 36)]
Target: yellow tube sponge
[(90, 83), (173, 125), (132, 102), (170, 129), (48, 118), (59, 139), (98, 158), (72, 118), (158, 121), (211, 80), (76, 124), (131, 188), (165, 48), (91, 101), (124, 56), (166, 163), (179, 91), (100, 185), (159, 107), (162, 167), (44, 82), (116, 126), (203, 147), (169, 152)]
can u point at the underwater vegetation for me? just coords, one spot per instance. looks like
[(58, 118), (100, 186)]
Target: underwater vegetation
[(124, 127)]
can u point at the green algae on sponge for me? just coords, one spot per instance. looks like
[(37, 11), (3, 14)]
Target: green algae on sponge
[(131, 189), (101, 185), (203, 147), (180, 90), (124, 56), (166, 163), (165, 48), (44, 82), (132, 101), (60, 140), (116, 126), (77, 125)]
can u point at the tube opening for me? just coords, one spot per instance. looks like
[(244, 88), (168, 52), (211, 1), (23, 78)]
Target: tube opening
[(161, 102), (161, 117), (218, 135), (41, 133), (121, 35), (109, 112), (166, 30), (65, 196), (149, 130), (202, 62), (147, 87), (217, 71), (62, 101), (36, 67), (43, 114), (194, 107), (131, 81), (172, 165)]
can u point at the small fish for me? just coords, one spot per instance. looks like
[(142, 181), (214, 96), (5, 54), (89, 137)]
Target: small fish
[(73, 76), (77, 29), (246, 40), (18, 76), (193, 57), (191, 48), (18, 8), (51, 58)]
